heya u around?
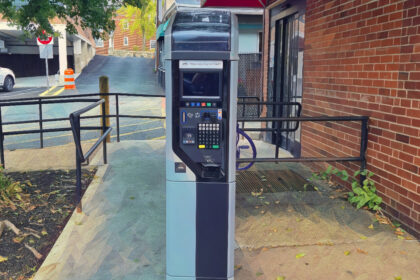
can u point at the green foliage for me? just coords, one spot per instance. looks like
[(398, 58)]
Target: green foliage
[(9, 190), (362, 194), (142, 20), (34, 16)]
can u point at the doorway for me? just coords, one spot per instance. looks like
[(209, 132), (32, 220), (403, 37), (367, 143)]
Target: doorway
[(285, 74)]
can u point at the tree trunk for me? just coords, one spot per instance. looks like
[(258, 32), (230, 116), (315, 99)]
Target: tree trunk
[(143, 32)]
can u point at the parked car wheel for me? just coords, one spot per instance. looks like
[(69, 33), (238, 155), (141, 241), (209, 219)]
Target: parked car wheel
[(8, 84)]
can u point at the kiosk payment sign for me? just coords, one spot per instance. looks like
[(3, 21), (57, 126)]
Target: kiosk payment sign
[(201, 92)]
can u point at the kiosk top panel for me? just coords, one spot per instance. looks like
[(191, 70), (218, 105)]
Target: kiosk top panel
[(201, 31)]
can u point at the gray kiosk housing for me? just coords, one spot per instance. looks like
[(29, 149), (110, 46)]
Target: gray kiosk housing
[(201, 64)]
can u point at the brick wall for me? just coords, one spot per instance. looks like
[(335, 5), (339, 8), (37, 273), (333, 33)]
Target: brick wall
[(363, 58), (135, 40)]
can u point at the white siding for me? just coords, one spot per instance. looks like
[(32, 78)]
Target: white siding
[(248, 41)]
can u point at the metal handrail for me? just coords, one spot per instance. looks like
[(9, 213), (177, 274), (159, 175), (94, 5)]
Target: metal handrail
[(363, 139), (274, 103), (80, 157), (57, 100)]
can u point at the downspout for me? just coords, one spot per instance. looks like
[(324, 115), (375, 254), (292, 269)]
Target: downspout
[(263, 47)]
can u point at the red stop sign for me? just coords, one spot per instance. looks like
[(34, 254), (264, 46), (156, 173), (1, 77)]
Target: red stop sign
[(44, 42)]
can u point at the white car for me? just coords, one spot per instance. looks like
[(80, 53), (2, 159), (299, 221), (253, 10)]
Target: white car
[(7, 79)]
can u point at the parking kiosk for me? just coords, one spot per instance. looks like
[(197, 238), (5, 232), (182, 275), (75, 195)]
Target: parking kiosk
[(201, 64)]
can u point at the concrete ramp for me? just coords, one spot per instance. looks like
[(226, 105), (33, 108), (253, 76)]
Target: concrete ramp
[(121, 232)]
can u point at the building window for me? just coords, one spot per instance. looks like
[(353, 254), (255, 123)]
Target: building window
[(152, 44), (126, 25), (99, 43), (125, 41)]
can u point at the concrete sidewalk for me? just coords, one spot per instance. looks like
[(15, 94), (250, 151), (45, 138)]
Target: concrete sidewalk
[(306, 235), (121, 232), (57, 157)]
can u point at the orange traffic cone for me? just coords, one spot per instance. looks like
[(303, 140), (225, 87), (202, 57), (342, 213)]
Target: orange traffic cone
[(69, 79)]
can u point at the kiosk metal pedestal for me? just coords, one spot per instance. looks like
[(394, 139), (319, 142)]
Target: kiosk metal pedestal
[(201, 64)]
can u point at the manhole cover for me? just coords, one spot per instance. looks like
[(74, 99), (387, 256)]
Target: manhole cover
[(271, 181)]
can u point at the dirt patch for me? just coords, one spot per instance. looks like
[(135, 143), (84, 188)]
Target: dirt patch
[(41, 217)]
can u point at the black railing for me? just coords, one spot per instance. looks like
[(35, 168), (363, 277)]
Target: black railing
[(80, 157), (259, 104), (40, 101), (363, 139)]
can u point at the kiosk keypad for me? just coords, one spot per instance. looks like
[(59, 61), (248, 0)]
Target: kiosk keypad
[(209, 136)]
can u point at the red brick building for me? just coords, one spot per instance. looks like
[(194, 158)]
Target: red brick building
[(122, 39), (349, 58), (353, 57)]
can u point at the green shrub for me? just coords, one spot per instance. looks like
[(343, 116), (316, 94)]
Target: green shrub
[(361, 195), (9, 190)]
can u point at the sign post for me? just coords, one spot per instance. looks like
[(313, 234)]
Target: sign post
[(46, 52)]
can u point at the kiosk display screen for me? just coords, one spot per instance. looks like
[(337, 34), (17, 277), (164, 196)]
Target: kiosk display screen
[(201, 84)]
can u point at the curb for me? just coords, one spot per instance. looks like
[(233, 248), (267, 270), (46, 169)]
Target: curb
[(53, 262)]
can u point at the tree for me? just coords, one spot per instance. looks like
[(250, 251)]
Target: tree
[(35, 16), (143, 19)]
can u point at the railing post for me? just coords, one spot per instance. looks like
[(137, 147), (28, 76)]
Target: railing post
[(243, 112), (104, 90), (41, 134), (104, 128), (78, 168), (117, 111), (1, 141), (363, 148)]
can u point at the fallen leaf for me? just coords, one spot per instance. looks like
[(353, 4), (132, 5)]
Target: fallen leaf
[(400, 237), (363, 237), (264, 249), (397, 278), (44, 232), (274, 230), (281, 278), (3, 259), (347, 253), (18, 239), (382, 220), (399, 231), (262, 212), (299, 220), (238, 267), (301, 255), (259, 273), (361, 251), (371, 226), (316, 188), (78, 223), (277, 202), (342, 207), (267, 203)]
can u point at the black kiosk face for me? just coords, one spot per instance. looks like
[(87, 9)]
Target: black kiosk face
[(201, 125)]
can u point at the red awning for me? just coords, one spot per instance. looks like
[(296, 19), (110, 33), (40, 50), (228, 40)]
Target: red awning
[(234, 3)]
